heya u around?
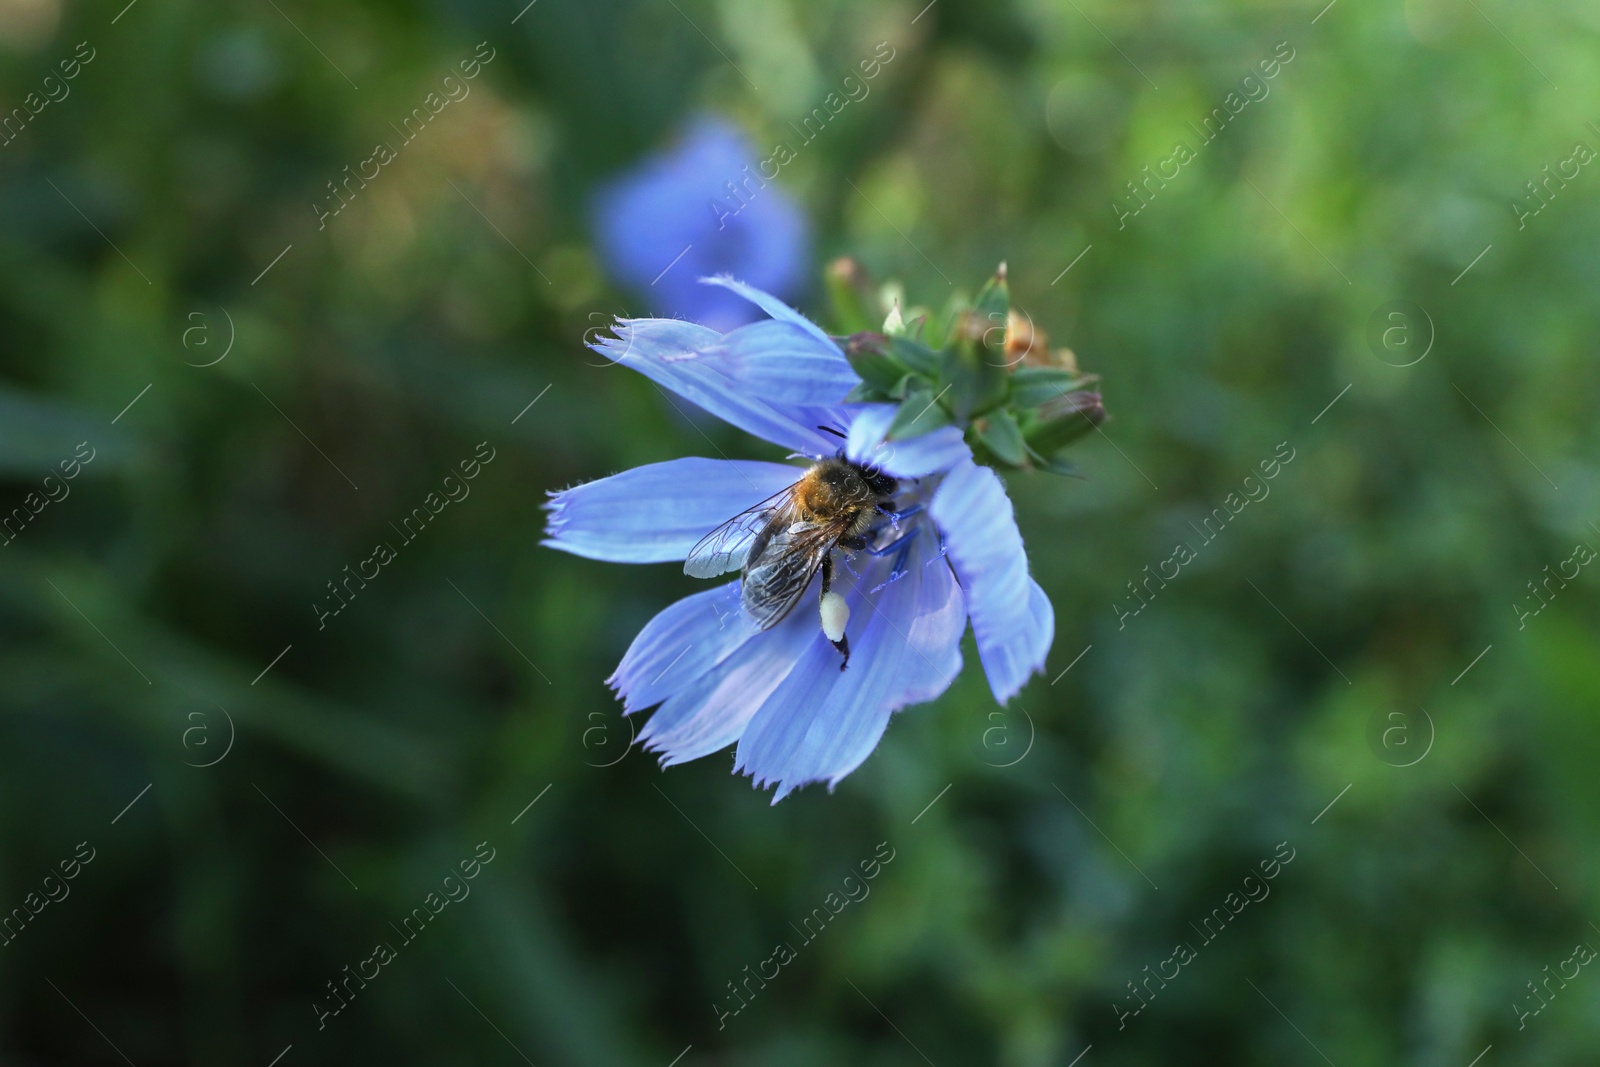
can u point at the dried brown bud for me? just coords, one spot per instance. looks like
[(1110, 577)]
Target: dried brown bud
[(849, 270), (865, 341), (1025, 342), (1065, 360)]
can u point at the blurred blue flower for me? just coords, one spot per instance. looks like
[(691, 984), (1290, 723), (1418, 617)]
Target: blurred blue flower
[(701, 209), (950, 552)]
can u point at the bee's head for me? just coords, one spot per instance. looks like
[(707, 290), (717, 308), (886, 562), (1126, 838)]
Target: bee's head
[(877, 483), (880, 483)]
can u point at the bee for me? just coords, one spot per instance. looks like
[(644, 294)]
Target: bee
[(784, 540)]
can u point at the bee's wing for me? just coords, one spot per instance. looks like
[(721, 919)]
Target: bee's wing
[(724, 549), (776, 577)]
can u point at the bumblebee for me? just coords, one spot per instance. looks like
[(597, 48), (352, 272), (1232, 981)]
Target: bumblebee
[(784, 540)]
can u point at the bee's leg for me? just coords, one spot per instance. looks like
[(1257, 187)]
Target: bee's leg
[(855, 543), (835, 613)]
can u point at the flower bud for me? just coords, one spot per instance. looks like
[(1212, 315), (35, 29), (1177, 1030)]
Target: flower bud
[(855, 303), (1062, 421)]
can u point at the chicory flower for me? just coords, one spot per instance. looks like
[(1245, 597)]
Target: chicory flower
[(697, 209), (944, 551)]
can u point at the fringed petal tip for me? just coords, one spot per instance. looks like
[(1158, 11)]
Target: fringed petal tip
[(785, 787), (652, 338), (556, 518), (761, 783), (660, 751), (619, 689)]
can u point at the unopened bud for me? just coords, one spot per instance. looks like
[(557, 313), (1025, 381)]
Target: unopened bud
[(1057, 423)]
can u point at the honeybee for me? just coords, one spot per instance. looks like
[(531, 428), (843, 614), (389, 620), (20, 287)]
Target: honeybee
[(784, 540)]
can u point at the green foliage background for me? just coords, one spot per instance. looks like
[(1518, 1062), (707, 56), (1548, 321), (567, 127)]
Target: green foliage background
[(469, 677)]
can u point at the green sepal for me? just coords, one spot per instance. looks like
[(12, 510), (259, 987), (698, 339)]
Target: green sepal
[(993, 302), (941, 327), (920, 413), (999, 432), (975, 375), (865, 393), (869, 356), (1033, 386), (1060, 422), (1054, 465), (903, 387), (913, 355)]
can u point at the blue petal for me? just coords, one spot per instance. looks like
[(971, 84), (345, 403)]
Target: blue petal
[(771, 305), (779, 359), (914, 457), (677, 647), (691, 361), (657, 512), (1011, 617), (711, 712), (820, 724)]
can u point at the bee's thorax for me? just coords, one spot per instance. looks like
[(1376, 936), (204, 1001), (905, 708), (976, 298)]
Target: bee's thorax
[(834, 491)]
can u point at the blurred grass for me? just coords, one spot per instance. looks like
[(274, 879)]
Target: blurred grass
[(1224, 318)]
